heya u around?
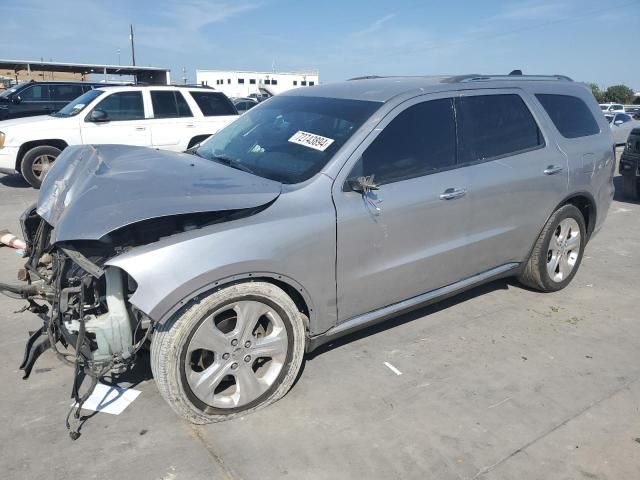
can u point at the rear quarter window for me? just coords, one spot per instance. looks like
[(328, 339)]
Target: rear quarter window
[(571, 116), (213, 104)]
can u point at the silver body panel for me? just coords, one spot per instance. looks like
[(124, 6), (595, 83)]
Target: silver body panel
[(348, 262)]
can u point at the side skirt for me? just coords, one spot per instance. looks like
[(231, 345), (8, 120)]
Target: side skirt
[(384, 313)]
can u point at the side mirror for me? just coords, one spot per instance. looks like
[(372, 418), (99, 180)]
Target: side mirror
[(98, 115), (362, 184), (17, 99), (618, 122)]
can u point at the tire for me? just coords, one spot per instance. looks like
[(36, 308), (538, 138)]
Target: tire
[(631, 187), (184, 371), (36, 163), (536, 273)]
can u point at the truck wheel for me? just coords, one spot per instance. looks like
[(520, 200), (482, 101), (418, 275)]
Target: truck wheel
[(37, 162), (557, 253), (631, 187), (230, 353)]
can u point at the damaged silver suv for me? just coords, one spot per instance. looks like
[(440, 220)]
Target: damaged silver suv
[(318, 212)]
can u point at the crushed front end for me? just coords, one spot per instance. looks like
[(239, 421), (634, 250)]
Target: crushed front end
[(87, 320)]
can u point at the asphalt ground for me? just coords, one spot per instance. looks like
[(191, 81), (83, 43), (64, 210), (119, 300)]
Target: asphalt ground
[(498, 383)]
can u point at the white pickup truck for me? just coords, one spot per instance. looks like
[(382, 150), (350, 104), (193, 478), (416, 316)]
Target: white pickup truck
[(166, 117)]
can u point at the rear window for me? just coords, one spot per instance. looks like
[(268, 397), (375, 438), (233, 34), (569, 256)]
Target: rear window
[(569, 114), (213, 104), (493, 126), (65, 93), (169, 104)]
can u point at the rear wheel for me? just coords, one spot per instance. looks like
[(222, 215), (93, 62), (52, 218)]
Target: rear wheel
[(229, 354), (37, 162), (631, 187), (558, 251)]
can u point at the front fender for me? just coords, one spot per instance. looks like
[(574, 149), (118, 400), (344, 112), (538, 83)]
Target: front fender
[(294, 239)]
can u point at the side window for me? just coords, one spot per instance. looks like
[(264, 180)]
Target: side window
[(123, 106), (495, 125), (624, 117), (420, 140), (213, 104), (35, 93), (570, 115), (65, 93), (169, 104)]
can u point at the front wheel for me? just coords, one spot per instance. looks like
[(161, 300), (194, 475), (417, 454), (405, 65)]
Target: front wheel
[(36, 164), (558, 251), (229, 354)]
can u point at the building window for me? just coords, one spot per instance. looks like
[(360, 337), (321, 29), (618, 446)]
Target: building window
[(311, 84), (241, 81), (295, 83), (303, 83), (228, 81), (274, 82), (252, 81), (267, 82)]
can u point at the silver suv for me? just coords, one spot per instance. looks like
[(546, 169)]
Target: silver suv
[(318, 212)]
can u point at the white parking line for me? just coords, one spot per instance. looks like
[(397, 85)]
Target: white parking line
[(392, 368)]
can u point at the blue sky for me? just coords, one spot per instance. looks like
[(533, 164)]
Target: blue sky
[(589, 40)]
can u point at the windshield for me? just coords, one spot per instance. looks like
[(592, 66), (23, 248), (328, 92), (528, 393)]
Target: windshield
[(76, 106), (604, 107), (288, 138), (9, 92)]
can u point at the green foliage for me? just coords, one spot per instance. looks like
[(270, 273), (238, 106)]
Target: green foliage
[(619, 94), (599, 94)]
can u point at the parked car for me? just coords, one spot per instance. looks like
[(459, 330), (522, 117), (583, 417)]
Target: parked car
[(40, 98), (630, 166), (260, 97), (243, 104), (621, 125), (166, 117), (317, 213), (612, 107)]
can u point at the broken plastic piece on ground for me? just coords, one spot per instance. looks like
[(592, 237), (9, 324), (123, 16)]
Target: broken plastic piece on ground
[(10, 240)]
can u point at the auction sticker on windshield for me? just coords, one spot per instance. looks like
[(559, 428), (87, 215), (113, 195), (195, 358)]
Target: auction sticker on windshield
[(311, 140)]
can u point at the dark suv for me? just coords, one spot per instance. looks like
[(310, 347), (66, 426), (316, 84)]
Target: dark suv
[(40, 98), (630, 166)]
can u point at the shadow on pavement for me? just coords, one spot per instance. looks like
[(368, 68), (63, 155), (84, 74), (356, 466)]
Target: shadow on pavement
[(15, 181), (502, 284)]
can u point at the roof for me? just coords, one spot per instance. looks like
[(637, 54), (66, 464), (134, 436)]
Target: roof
[(382, 89)]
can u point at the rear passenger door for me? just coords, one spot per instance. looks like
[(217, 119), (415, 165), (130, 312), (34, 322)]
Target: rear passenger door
[(409, 236), (34, 100), (173, 125), (517, 176)]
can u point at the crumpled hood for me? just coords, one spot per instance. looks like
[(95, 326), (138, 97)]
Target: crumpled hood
[(92, 190)]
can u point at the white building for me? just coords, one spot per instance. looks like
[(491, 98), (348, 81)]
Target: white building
[(242, 84)]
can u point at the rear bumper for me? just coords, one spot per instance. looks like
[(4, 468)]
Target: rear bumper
[(8, 156)]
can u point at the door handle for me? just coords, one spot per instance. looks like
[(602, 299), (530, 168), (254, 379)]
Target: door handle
[(190, 125), (552, 170), (453, 193), (141, 129)]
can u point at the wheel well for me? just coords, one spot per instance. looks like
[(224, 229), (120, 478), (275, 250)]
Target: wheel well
[(197, 139), (587, 208), (25, 147), (293, 292)]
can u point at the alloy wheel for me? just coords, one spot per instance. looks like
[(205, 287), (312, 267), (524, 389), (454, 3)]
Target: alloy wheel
[(564, 250)]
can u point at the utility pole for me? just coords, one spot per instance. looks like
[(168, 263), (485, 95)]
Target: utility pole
[(133, 50), (184, 75)]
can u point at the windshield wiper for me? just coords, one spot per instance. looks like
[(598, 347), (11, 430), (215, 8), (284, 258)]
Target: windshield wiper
[(232, 162)]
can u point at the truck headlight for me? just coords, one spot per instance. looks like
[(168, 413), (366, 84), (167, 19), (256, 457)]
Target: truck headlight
[(2, 139)]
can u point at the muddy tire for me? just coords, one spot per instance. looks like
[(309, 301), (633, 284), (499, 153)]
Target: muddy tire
[(631, 187), (557, 254), (228, 354), (36, 163)]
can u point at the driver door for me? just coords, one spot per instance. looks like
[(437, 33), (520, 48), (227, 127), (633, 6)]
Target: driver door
[(409, 236), (126, 121)]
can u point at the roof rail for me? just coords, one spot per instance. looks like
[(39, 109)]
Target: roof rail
[(477, 78)]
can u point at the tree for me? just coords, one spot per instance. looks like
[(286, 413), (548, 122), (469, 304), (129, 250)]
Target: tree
[(599, 94), (619, 94)]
